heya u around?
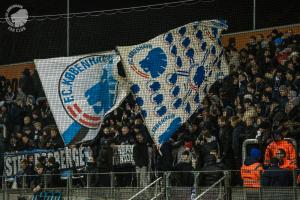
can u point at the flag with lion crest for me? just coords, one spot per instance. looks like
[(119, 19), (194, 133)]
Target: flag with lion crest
[(170, 74)]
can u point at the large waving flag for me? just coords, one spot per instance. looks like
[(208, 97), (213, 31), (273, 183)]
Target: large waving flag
[(81, 90), (170, 73)]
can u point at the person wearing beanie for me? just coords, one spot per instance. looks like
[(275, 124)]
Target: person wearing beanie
[(252, 169)]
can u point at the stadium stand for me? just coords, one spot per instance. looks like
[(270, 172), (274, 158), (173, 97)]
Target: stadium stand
[(258, 100), (242, 143)]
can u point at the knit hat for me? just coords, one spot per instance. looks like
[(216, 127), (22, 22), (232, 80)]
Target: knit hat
[(255, 153)]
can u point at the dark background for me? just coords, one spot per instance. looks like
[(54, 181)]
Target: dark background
[(46, 37)]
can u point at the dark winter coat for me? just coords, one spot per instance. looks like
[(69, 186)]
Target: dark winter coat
[(211, 172), (140, 154), (236, 143), (53, 175), (275, 176), (183, 175)]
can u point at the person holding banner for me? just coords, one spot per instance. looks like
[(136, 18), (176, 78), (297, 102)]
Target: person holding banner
[(126, 138)]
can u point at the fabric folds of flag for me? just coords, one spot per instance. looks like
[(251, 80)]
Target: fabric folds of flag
[(81, 90), (170, 74)]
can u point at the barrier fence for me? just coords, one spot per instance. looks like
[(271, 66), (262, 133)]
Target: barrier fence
[(164, 185)]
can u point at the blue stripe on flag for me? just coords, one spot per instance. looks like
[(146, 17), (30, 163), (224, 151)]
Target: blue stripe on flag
[(205, 57), (71, 132)]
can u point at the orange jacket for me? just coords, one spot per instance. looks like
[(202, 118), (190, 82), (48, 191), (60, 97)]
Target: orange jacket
[(273, 147), (288, 164), (251, 175)]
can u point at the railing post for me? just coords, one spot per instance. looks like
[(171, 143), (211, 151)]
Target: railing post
[(260, 188), (88, 180), (112, 179), (196, 176), (69, 185), (23, 181), (155, 190), (227, 185), (112, 184), (45, 180), (167, 175), (254, 15), (3, 187), (295, 184)]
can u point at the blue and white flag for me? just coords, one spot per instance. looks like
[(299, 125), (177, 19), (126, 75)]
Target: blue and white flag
[(81, 90), (170, 73)]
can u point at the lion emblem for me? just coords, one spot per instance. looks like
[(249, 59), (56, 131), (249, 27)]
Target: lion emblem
[(155, 62)]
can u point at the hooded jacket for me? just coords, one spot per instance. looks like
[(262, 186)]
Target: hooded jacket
[(211, 172), (251, 173)]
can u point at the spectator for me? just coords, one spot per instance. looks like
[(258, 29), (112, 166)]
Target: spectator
[(25, 174), (164, 157), (4, 118), (238, 129), (93, 176), (37, 132), (283, 162), (141, 159), (55, 140), (52, 173), (252, 46), (16, 115), (225, 138), (104, 157), (125, 138), (183, 175), (206, 143), (37, 184), (264, 135), (20, 95), (27, 144), (43, 161), (211, 172), (275, 176), (26, 82), (10, 95)]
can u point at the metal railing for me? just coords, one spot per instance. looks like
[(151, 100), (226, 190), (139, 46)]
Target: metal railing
[(210, 188), (148, 186), (162, 186)]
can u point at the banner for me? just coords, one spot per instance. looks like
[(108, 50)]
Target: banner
[(123, 154), (65, 157), (81, 90), (170, 74)]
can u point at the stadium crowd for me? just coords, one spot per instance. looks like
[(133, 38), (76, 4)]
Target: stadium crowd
[(258, 100)]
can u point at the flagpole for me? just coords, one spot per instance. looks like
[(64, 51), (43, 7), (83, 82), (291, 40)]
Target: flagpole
[(254, 15), (68, 27)]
